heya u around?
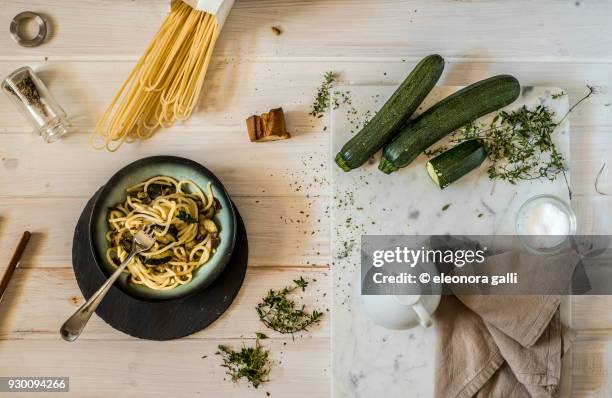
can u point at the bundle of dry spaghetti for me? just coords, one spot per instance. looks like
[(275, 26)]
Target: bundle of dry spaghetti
[(166, 83)]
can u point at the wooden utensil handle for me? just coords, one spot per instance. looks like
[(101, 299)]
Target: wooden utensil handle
[(8, 274)]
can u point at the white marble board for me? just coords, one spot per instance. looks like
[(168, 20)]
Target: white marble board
[(369, 361)]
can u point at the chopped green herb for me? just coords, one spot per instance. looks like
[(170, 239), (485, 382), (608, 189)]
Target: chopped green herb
[(261, 336), (301, 283), (186, 217), (126, 242), (278, 312), (251, 363), (154, 190), (158, 260), (446, 206), (321, 102), (558, 95)]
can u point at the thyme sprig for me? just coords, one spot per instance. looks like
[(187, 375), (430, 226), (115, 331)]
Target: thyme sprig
[(251, 363), (279, 312), (519, 144), (558, 95), (321, 102)]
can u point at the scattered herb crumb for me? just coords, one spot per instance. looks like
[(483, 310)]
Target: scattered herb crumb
[(480, 215), (251, 363), (261, 336), (342, 98), (446, 206)]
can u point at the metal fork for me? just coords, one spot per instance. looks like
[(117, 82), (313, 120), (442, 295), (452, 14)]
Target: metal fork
[(72, 328)]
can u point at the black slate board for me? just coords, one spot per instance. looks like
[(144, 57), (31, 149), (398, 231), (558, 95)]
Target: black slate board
[(158, 320)]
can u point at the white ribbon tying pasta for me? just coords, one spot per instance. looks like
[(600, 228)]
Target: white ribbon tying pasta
[(219, 8)]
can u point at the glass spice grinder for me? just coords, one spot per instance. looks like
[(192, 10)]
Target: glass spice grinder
[(37, 104)]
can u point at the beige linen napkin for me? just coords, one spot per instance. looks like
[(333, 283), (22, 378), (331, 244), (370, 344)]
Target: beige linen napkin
[(501, 346)]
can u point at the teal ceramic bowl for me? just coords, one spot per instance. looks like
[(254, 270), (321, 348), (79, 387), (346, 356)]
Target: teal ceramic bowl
[(114, 191)]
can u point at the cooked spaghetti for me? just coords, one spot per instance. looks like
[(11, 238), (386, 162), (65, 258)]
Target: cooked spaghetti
[(180, 217), (165, 84)]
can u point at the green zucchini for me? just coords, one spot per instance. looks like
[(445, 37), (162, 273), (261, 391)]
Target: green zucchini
[(453, 112), (394, 113), (453, 164), (157, 259)]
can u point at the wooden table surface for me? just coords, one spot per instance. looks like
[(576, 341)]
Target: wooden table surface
[(281, 188)]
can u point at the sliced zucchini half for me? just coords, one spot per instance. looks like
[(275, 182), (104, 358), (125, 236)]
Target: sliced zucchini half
[(456, 162)]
